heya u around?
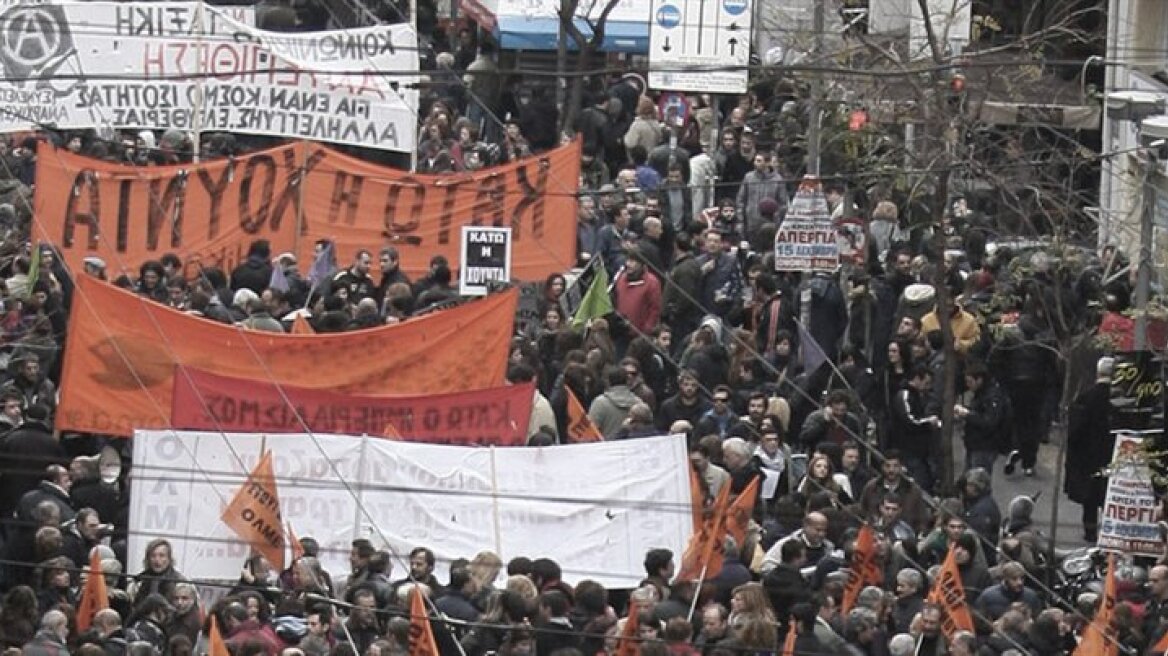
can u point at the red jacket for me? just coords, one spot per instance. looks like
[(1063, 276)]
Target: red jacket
[(253, 631), (639, 301)]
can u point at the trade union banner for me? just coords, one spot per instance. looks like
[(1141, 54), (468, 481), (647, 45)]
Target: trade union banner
[(122, 350), (199, 68), (293, 195), (594, 508), (493, 416)]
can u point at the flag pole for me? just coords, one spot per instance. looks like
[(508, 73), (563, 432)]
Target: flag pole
[(693, 605)]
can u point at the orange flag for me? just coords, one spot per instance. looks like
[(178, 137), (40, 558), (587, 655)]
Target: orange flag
[(94, 596), (628, 645), (215, 644), (300, 326), (294, 543), (422, 641), (1162, 645), (1099, 637), (949, 594), (580, 427), (697, 499), (705, 545), (864, 569), (738, 519), (254, 513), (789, 641)]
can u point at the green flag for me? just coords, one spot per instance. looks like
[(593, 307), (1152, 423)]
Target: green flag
[(34, 267), (596, 302)]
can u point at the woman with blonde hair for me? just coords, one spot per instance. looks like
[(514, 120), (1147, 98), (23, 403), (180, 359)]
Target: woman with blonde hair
[(484, 569), (821, 477), (752, 619)]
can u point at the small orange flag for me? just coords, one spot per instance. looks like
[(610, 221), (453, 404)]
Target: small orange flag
[(1099, 637), (300, 326), (422, 641), (580, 427), (215, 644), (949, 594), (705, 545), (697, 497), (391, 433), (254, 513), (294, 543), (738, 519), (628, 645), (864, 569), (789, 641), (1162, 645), (94, 596)]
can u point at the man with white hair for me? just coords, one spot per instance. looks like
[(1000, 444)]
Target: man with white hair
[(902, 644), (50, 640), (1089, 447)]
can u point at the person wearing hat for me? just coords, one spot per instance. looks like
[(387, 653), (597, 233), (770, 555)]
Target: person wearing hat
[(94, 266)]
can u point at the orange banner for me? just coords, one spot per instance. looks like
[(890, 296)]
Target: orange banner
[(1099, 636), (422, 641), (738, 519), (254, 513), (580, 426), (864, 570), (789, 640), (697, 498), (295, 194), (949, 594), (122, 350), (94, 596), (216, 646), (705, 547)]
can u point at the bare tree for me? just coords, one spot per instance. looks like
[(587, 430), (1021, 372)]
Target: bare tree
[(586, 49)]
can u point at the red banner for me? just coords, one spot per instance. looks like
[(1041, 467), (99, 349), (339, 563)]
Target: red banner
[(493, 416)]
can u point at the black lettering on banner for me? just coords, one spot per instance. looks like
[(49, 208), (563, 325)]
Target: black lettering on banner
[(533, 197), (454, 418), (250, 224), (215, 189), (84, 187), (393, 198), (290, 195), (446, 218), (124, 199), (166, 207), (431, 420), (489, 201), (346, 192)]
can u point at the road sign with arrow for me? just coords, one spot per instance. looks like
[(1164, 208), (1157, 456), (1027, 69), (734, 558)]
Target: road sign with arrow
[(700, 45)]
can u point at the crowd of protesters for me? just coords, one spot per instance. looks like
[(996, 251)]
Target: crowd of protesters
[(826, 386)]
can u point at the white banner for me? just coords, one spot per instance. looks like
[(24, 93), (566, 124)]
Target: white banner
[(593, 508), (204, 69), (806, 239), (1129, 523)]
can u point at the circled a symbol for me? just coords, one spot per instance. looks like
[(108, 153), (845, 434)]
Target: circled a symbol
[(668, 16), (31, 37), (734, 7)]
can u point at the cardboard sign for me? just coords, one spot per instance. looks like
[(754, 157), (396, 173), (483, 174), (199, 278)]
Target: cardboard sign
[(196, 68), (485, 259)]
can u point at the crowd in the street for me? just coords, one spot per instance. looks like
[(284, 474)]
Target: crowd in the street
[(828, 387)]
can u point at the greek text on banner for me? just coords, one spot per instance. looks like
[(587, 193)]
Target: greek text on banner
[(200, 69), (494, 416), (292, 195), (122, 350), (594, 508)]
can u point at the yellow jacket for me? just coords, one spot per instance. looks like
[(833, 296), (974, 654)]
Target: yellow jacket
[(966, 330)]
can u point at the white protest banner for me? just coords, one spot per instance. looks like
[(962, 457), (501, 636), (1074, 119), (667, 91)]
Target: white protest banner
[(204, 69), (485, 259), (806, 239), (1129, 509), (593, 508)]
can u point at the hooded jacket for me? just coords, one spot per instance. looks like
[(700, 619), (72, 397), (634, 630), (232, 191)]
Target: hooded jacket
[(609, 410)]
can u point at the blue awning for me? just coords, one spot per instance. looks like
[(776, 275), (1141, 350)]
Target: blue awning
[(523, 33)]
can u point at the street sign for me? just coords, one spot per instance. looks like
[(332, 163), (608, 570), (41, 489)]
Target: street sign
[(701, 46)]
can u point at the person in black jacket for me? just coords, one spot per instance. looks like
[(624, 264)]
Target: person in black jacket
[(255, 272), (1089, 447), (987, 429)]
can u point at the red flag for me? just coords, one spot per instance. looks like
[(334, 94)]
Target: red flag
[(1162, 645), (705, 546), (94, 596), (738, 519), (949, 594), (697, 498), (254, 513), (294, 543), (300, 326), (422, 641), (580, 426), (628, 645), (789, 641), (216, 646), (864, 569), (1099, 637)]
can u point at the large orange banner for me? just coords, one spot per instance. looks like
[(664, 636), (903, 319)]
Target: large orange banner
[(122, 351), (293, 195)]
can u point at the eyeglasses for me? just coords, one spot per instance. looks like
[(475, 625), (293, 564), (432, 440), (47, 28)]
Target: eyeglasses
[(721, 399)]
